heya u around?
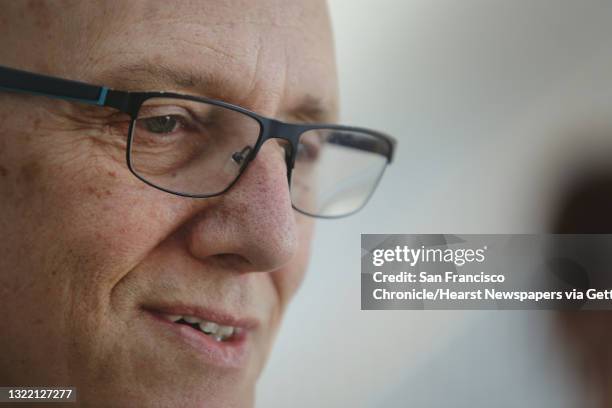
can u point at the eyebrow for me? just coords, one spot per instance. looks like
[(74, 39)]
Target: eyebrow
[(146, 76), (142, 76), (314, 109)]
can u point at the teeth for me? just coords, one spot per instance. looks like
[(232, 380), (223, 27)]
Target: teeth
[(212, 329), (209, 327), (225, 331)]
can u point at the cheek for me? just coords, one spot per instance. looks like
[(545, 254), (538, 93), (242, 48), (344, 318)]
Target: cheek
[(66, 237), (74, 225), (113, 219), (83, 214)]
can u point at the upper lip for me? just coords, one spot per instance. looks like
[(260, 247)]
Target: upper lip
[(204, 313)]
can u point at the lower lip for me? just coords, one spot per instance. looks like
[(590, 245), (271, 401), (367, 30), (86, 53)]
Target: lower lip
[(227, 354)]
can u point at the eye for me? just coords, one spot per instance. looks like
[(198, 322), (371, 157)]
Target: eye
[(302, 151), (308, 149), (162, 124)]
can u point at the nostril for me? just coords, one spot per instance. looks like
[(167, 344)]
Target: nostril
[(231, 261)]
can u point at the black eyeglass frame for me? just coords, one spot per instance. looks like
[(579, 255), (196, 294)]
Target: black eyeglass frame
[(15, 80)]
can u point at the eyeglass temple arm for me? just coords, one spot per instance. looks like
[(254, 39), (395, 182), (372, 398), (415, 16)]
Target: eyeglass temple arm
[(28, 82), (384, 146)]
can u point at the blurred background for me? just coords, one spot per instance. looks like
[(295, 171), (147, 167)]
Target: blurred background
[(497, 106)]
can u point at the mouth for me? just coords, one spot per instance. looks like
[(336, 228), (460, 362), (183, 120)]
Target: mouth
[(218, 332), (217, 339)]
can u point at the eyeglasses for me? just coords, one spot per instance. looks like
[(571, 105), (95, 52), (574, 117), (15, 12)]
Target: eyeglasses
[(199, 147)]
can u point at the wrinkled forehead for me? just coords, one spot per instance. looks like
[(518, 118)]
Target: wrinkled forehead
[(243, 51)]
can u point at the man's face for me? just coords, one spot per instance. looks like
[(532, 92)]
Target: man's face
[(92, 260)]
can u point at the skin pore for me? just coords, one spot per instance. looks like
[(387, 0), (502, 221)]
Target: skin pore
[(87, 248)]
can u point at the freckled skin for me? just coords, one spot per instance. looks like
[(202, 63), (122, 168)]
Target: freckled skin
[(85, 244)]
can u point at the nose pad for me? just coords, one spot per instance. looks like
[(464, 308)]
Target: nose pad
[(240, 157), (286, 147), (237, 161)]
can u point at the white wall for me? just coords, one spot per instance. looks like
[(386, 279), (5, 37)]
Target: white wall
[(478, 93)]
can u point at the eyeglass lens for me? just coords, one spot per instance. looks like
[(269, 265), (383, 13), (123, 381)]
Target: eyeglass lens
[(197, 148)]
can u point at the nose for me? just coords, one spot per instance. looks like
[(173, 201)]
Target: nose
[(253, 223)]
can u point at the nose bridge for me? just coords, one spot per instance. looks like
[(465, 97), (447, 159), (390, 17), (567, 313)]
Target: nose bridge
[(281, 130), (276, 129)]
